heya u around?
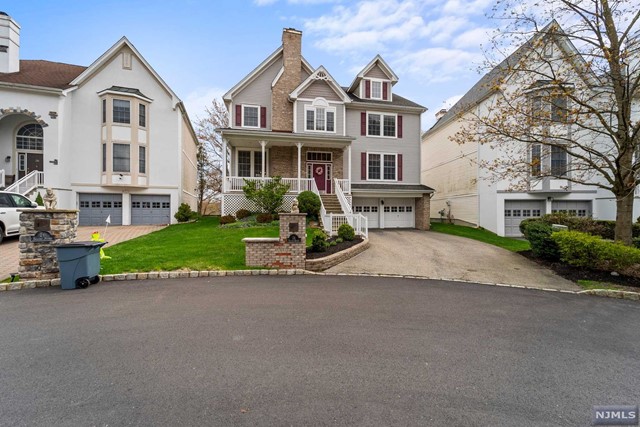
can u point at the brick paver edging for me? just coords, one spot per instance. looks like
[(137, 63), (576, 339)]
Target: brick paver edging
[(321, 264), (14, 286)]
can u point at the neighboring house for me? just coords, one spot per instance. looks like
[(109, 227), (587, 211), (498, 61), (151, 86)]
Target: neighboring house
[(110, 139), (465, 191), (357, 146)]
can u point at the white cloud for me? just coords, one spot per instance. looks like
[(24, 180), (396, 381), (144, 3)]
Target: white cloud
[(301, 2), (466, 7), (264, 2), (450, 102), (473, 38), (197, 101), (437, 64)]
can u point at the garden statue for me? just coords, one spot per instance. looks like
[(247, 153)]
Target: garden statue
[(50, 200), (294, 207)]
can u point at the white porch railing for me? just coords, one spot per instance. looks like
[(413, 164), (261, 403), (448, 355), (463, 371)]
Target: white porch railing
[(2, 175), (331, 222), (27, 183), (235, 183), (344, 203), (343, 184)]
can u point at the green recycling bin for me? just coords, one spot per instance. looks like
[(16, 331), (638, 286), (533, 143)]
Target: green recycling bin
[(79, 264)]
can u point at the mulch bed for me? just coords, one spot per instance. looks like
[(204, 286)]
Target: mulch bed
[(574, 274), (333, 249)]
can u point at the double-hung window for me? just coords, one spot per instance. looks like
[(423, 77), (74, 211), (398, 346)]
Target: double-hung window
[(121, 111), (558, 161), (251, 116), (382, 167), (376, 89), (249, 163), (536, 159), (320, 119), (142, 159), (142, 115), (121, 158), (379, 124)]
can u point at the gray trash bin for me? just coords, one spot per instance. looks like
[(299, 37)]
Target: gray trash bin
[(79, 264)]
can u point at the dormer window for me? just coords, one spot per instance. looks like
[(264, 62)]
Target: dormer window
[(320, 117), (376, 89)]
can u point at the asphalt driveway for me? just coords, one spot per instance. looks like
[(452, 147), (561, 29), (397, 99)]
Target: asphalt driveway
[(442, 256), (313, 350)]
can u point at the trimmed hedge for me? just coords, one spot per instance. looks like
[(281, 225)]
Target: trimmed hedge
[(346, 232), (538, 233), (309, 203), (595, 227), (583, 250)]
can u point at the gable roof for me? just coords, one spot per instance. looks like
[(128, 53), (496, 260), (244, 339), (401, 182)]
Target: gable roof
[(487, 85), (109, 54), (382, 64), (258, 70), (44, 74), (320, 74)]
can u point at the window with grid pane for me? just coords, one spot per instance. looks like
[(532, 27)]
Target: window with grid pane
[(257, 163), (374, 124), (250, 116), (536, 159), (121, 111), (121, 158), (30, 137), (374, 166), (558, 161), (244, 163), (142, 115), (142, 159), (104, 111), (104, 157), (389, 167), (389, 126), (376, 90)]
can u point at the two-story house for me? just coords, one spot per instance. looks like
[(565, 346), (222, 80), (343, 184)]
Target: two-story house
[(467, 189), (358, 147), (111, 139)]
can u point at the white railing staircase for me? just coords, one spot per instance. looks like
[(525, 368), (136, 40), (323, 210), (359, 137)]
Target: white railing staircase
[(28, 183), (336, 215)]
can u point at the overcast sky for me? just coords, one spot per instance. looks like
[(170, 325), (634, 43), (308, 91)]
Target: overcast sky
[(202, 48)]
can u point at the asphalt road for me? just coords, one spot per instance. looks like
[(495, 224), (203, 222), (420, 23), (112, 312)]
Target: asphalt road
[(312, 350)]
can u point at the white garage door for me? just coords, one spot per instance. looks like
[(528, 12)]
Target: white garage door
[(399, 213), (368, 208), (150, 209), (572, 207), (517, 210), (95, 208)]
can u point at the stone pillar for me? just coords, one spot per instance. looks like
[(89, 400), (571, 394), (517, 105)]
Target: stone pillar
[(40, 231), (423, 212), (287, 251)]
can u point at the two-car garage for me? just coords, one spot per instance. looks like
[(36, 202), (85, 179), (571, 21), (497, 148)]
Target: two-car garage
[(515, 211), (95, 208), (387, 213)]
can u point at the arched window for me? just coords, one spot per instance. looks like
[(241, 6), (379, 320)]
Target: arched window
[(30, 137)]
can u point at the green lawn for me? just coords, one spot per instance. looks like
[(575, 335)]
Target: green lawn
[(592, 284), (514, 245), (201, 245)]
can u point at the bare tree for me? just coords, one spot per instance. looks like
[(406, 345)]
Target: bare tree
[(560, 106), (210, 152)]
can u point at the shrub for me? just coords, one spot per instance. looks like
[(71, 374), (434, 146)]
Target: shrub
[(227, 219), (319, 242), (268, 196), (309, 203), (339, 240), (39, 199), (538, 233), (636, 242), (584, 250), (242, 213), (185, 213), (346, 232), (525, 222), (264, 218)]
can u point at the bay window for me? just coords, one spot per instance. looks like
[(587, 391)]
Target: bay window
[(121, 111), (121, 158)]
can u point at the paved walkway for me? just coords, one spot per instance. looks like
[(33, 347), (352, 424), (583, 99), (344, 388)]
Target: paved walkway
[(10, 254), (442, 256)]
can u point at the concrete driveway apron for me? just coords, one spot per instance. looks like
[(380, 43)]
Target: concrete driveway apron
[(442, 256)]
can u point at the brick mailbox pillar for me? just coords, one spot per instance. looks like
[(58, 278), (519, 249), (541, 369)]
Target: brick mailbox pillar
[(40, 231), (287, 251)]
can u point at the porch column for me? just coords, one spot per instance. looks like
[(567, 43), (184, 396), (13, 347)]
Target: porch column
[(224, 165), (299, 145), (263, 144), (349, 163)]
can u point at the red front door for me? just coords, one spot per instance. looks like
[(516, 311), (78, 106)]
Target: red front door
[(320, 175)]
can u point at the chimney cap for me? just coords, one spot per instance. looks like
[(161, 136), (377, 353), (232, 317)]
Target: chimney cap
[(291, 30), (4, 13)]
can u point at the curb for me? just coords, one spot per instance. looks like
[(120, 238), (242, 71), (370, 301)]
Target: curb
[(153, 275)]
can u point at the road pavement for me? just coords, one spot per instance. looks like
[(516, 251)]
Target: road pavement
[(313, 350)]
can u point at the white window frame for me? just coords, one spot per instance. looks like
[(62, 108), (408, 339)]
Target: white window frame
[(395, 155), (371, 80), (244, 115), (253, 162), (314, 108), (381, 114)]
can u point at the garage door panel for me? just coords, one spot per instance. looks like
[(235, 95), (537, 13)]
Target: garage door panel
[(150, 209), (95, 208), (399, 213), (581, 208), (515, 211), (369, 208)]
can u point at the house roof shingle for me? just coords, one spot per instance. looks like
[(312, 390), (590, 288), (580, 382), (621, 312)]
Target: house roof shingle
[(43, 73), (398, 101)]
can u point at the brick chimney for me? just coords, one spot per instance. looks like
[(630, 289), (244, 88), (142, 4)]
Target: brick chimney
[(281, 107), (9, 44)]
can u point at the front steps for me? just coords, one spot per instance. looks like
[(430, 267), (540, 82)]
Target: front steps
[(331, 203)]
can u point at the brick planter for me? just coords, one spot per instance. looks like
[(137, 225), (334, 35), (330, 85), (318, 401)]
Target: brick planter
[(321, 264)]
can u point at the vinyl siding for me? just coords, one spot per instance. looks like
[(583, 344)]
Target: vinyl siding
[(258, 92), (376, 73), (320, 89)]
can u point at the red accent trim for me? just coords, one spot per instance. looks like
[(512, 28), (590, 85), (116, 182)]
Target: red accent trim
[(238, 115), (399, 126), (363, 123), (399, 167), (367, 88), (263, 117), (385, 88), (363, 166)]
